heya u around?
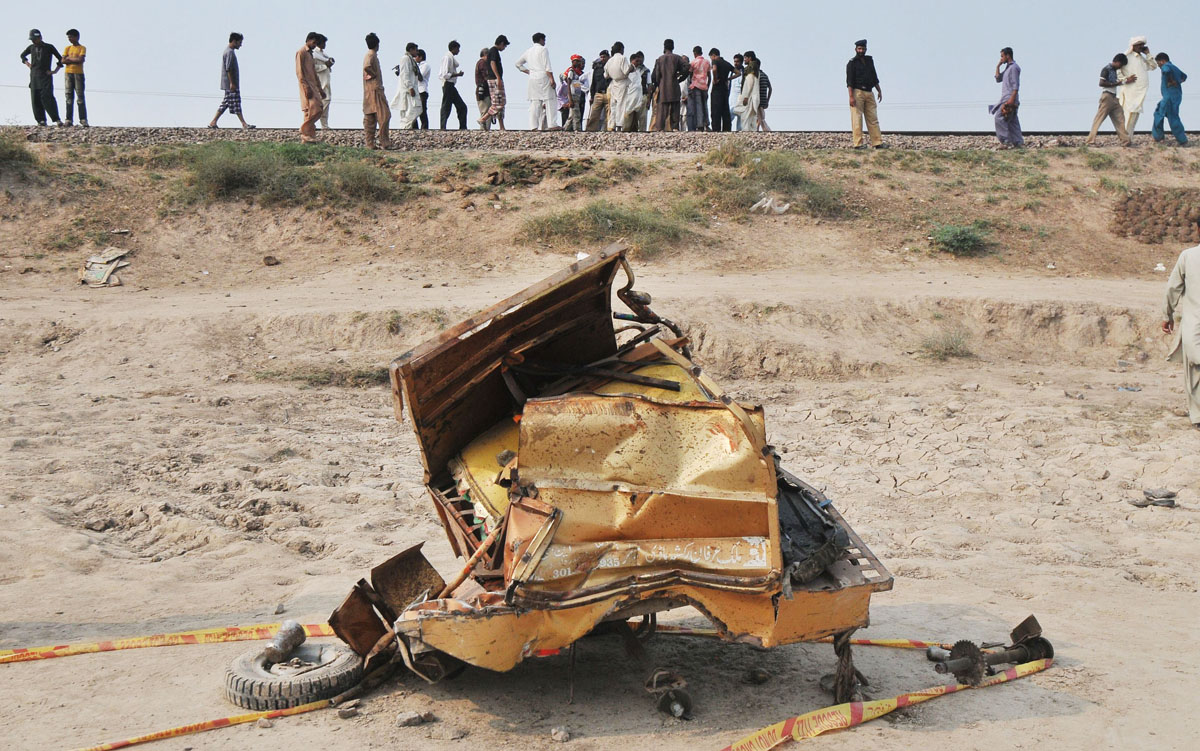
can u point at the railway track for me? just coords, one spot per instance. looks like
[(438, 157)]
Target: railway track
[(523, 140)]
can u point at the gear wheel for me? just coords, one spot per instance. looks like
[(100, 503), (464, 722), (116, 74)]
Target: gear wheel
[(973, 674)]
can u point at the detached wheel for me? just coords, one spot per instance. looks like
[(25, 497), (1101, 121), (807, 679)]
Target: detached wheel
[(312, 672)]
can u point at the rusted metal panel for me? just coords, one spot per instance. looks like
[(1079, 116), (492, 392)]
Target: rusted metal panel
[(634, 444), (356, 622), (601, 516), (593, 564), (404, 577), (531, 526), (452, 385)]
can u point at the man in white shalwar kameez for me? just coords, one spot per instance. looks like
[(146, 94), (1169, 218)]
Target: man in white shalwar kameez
[(617, 71), (1132, 95), (406, 107), (324, 65), (535, 63), (1183, 303)]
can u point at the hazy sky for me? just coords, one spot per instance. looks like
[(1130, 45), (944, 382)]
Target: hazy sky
[(157, 62)]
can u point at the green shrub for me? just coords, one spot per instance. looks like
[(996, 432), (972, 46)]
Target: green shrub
[(223, 170), (619, 169), (961, 240), (728, 154), (780, 173), (286, 174), (948, 342), (362, 181), (647, 230), (14, 151), (1098, 160)]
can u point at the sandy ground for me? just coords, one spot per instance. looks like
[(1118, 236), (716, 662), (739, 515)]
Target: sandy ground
[(161, 470), (988, 491)]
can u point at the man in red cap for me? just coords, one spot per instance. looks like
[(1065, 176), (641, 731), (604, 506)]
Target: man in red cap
[(578, 84)]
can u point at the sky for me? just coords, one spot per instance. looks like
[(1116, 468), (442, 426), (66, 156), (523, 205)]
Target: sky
[(156, 63)]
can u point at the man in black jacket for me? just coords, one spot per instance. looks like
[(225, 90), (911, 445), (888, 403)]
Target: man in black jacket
[(860, 79), (37, 57), (722, 74)]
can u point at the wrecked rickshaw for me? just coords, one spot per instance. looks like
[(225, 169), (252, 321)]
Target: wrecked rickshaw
[(591, 475)]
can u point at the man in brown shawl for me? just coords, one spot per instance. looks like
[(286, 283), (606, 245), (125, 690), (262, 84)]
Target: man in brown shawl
[(376, 111), (312, 101), (669, 70)]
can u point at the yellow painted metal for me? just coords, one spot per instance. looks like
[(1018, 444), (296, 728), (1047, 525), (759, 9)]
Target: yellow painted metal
[(496, 638), (635, 444), (600, 563), (477, 466), (600, 516)]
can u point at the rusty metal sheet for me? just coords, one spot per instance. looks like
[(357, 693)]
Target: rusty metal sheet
[(625, 443), (531, 526), (604, 516), (452, 385), (404, 577), (356, 622), (485, 633), (599, 563)]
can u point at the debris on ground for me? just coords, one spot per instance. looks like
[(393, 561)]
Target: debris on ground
[(98, 270), (270, 261), (412, 719), (264, 723), (770, 205), (756, 676), (560, 734), (346, 713), (1155, 497), (531, 170)]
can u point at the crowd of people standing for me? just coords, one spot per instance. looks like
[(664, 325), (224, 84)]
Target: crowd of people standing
[(616, 91)]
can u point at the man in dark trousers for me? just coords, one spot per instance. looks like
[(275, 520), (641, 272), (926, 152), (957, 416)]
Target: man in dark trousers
[(669, 71), (448, 74), (37, 57), (860, 79), (722, 74)]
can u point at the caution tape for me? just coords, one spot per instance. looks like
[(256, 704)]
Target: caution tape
[(202, 636), (809, 725), (842, 716), (200, 727)]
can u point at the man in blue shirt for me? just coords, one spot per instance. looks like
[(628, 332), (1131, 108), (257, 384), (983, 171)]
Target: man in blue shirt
[(1110, 107), (1172, 95), (1008, 126)]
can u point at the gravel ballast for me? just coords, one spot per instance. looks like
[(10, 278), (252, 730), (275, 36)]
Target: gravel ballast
[(551, 141)]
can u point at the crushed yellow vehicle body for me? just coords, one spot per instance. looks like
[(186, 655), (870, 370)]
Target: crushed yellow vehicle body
[(584, 479)]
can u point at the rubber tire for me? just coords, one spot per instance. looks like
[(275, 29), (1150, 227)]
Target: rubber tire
[(250, 685)]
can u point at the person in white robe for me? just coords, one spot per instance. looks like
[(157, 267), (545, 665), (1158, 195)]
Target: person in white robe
[(406, 106), (1181, 316), (324, 65), (746, 107), (1133, 95), (617, 71), (535, 63), (635, 102)]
